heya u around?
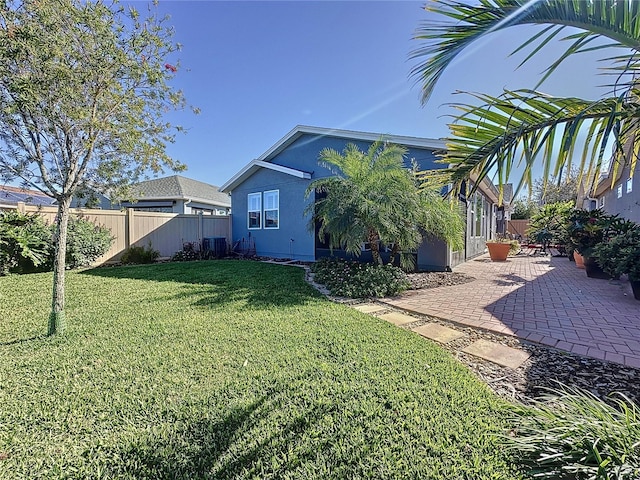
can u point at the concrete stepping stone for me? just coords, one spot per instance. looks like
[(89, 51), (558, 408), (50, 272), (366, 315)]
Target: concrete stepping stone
[(369, 308), (398, 318), (437, 332), (497, 353)]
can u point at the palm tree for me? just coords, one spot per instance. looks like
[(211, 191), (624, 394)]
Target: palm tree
[(373, 198), (494, 135)]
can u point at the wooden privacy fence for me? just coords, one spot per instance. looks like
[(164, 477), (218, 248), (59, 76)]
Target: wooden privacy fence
[(165, 232), (518, 227)]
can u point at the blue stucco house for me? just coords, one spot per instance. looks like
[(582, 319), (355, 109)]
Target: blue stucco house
[(268, 197)]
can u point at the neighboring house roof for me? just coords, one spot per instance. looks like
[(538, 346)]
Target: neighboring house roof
[(13, 195), (263, 160), (507, 193), (176, 187)]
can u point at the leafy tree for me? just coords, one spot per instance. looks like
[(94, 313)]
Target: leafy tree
[(373, 198), (524, 209), (559, 189), (526, 125), (83, 89)]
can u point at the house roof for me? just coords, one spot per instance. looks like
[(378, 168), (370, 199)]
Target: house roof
[(301, 130), (177, 187), (256, 165), (263, 160), (507, 192), (13, 195)]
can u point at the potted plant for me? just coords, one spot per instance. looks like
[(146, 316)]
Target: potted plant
[(500, 248), (586, 229), (620, 254), (549, 226)]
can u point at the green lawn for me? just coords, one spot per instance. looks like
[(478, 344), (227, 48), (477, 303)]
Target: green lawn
[(229, 369)]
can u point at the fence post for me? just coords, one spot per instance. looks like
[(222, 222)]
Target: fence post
[(22, 208), (129, 228), (230, 232)]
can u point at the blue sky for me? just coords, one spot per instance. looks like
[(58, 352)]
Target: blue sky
[(258, 69)]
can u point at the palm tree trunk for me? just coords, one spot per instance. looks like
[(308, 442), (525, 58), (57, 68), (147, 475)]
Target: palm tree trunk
[(57, 322), (375, 247), (394, 251)]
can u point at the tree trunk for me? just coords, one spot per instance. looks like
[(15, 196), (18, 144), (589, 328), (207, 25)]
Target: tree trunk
[(57, 322), (394, 252), (375, 247)]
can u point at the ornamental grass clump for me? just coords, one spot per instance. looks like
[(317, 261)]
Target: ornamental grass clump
[(359, 280), (572, 434)]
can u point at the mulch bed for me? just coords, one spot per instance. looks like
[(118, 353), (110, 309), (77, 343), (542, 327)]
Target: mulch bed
[(547, 368), (437, 279)]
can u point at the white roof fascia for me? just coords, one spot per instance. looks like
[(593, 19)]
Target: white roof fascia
[(487, 187), (254, 165), (289, 138), (173, 197)]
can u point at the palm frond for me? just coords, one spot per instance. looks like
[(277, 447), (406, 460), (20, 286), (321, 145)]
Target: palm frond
[(443, 41), (522, 127)]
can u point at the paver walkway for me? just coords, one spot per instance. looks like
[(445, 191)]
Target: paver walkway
[(545, 300)]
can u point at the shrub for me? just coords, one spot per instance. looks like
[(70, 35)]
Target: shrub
[(571, 434), (620, 254), (190, 251), (86, 242), (359, 280), (137, 254), (25, 242)]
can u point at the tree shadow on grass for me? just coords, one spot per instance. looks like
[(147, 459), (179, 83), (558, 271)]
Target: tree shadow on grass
[(255, 284), (250, 441), (23, 340)]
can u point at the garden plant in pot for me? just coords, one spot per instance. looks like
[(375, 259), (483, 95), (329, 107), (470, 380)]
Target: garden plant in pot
[(620, 254), (549, 226), (586, 229), (501, 247)]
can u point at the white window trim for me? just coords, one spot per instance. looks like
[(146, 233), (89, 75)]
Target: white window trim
[(265, 210), (629, 185), (619, 191), (259, 210)]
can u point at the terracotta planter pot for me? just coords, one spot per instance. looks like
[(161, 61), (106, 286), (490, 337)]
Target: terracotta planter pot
[(579, 260), (635, 286), (498, 251), (594, 270)]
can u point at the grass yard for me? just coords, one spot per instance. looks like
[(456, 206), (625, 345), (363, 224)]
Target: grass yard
[(229, 369)]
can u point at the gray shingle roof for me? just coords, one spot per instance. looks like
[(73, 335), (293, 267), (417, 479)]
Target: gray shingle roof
[(177, 187), (507, 192)]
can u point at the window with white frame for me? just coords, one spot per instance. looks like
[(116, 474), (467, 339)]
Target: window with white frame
[(254, 210), (619, 191), (272, 209), (629, 185), (601, 202)]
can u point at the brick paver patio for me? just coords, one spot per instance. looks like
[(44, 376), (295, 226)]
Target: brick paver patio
[(545, 300)]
